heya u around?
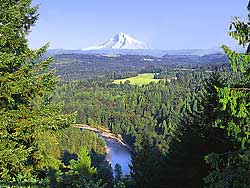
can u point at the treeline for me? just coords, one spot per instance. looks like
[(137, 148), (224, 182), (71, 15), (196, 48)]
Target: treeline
[(167, 123), (83, 67), (36, 147), (126, 109), (183, 164), (190, 132), (210, 145)]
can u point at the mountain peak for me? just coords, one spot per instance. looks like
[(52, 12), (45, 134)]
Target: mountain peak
[(123, 34), (121, 41)]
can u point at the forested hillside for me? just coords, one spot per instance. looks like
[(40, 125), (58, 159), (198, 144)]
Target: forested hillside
[(82, 66), (130, 109), (188, 130)]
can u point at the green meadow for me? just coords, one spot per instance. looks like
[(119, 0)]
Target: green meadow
[(141, 79)]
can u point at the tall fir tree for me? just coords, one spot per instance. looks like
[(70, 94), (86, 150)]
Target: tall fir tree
[(232, 169), (194, 138), (118, 172), (27, 115), (147, 161), (83, 164)]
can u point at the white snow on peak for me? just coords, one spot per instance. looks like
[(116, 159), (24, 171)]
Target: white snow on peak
[(120, 41)]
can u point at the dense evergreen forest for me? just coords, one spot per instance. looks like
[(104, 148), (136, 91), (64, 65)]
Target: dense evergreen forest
[(189, 130), (83, 66), (129, 109)]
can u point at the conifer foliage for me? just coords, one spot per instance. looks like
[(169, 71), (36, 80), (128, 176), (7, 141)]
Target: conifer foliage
[(232, 169), (195, 137), (83, 164), (26, 85)]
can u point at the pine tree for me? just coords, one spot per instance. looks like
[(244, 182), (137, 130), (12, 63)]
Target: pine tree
[(118, 172), (146, 163), (232, 169), (80, 173), (26, 85), (195, 137), (83, 164)]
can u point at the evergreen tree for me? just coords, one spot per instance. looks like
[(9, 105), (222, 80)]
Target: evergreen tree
[(118, 172), (81, 173), (103, 169), (83, 164), (195, 137), (232, 169), (26, 85), (145, 168)]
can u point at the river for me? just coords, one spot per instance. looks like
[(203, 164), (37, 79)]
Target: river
[(118, 153)]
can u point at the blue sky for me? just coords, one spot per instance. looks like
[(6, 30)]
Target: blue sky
[(161, 24)]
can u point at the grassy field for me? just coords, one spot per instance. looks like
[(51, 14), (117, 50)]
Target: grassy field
[(141, 79)]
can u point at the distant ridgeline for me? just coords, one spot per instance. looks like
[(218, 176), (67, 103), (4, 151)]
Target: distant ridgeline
[(85, 66), (185, 116)]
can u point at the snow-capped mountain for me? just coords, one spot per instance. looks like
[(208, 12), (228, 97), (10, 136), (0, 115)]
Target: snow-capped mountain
[(120, 41)]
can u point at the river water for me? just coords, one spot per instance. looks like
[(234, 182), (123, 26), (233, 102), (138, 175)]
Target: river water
[(118, 154)]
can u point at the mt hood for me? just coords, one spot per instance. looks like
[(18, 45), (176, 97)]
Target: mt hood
[(120, 41)]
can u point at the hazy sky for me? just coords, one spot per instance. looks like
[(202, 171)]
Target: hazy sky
[(161, 24)]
